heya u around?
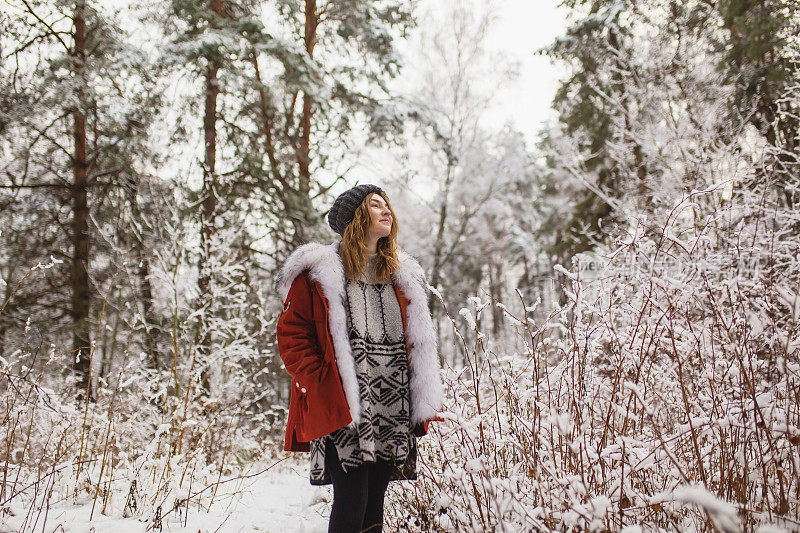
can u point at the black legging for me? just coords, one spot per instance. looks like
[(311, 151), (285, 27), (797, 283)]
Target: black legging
[(357, 494)]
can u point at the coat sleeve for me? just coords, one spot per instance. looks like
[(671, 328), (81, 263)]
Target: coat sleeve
[(298, 345)]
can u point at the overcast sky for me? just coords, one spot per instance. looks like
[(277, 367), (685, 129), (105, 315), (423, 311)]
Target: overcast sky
[(523, 26)]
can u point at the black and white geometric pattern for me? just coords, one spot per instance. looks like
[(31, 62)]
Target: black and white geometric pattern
[(377, 340)]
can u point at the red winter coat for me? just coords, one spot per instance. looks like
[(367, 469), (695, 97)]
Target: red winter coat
[(314, 345)]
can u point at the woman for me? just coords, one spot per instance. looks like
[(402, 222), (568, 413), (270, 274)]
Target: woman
[(357, 339)]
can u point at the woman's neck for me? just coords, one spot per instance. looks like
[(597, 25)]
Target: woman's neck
[(372, 242)]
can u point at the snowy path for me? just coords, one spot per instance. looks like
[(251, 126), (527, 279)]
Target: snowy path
[(280, 500), (277, 501)]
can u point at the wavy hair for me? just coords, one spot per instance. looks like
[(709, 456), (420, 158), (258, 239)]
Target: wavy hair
[(353, 248)]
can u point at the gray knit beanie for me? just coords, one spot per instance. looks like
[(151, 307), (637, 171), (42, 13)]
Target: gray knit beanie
[(345, 205)]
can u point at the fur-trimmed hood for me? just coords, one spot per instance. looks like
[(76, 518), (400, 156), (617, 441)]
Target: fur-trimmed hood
[(326, 268)]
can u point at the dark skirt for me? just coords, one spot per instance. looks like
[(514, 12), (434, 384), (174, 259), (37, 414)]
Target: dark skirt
[(402, 470)]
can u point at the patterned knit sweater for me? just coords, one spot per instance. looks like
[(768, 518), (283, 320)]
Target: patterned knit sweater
[(375, 326)]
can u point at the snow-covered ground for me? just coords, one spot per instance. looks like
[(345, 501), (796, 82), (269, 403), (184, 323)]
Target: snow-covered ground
[(277, 500)]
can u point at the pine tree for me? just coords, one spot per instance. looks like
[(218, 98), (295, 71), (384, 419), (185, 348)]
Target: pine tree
[(599, 48), (77, 106), (756, 60), (308, 114)]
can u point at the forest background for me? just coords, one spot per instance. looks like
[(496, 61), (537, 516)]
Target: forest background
[(615, 299)]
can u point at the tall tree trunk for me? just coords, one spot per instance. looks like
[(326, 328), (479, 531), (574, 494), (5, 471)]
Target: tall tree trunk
[(284, 191), (438, 252), (81, 294), (439, 244), (209, 208), (643, 188), (496, 292), (266, 112), (757, 63), (2, 336), (297, 201), (4, 301), (152, 327), (304, 155)]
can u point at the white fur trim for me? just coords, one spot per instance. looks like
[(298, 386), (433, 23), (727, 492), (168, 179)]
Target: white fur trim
[(325, 266), (423, 357)]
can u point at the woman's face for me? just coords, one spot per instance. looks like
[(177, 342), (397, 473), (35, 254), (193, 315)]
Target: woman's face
[(380, 224)]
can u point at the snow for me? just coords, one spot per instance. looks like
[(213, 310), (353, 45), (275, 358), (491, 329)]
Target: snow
[(561, 270), (280, 499), (721, 512)]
